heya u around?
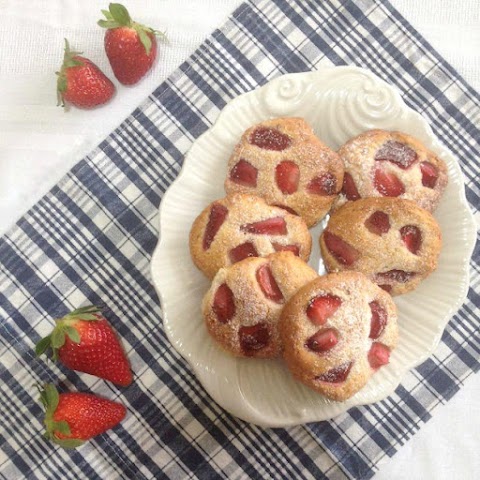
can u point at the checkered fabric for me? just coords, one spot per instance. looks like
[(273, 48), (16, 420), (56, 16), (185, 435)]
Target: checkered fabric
[(90, 240)]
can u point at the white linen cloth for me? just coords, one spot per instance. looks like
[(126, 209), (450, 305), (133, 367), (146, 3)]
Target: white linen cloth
[(39, 143)]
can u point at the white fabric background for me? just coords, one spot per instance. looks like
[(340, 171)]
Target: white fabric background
[(39, 142)]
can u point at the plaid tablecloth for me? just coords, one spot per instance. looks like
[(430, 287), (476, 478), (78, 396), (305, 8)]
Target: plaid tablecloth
[(90, 240)]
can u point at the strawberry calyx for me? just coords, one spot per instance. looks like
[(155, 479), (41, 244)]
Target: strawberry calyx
[(49, 397), (70, 59), (117, 16), (64, 327)]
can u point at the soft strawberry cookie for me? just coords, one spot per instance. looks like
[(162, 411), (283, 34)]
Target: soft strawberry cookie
[(337, 331), (244, 303), (240, 226), (379, 163), (284, 162), (393, 242)]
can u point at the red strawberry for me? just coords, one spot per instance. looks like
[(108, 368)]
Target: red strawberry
[(429, 174), (244, 173), (378, 321), (388, 184), (224, 303), (270, 139), (131, 47), (287, 175), (271, 226), (378, 223), (324, 185), (253, 338), (323, 307), (336, 375), (412, 237), (349, 188), (242, 251), (295, 249), (323, 340), (340, 249), (218, 214), (72, 418), (378, 355), (84, 341), (268, 284), (81, 83)]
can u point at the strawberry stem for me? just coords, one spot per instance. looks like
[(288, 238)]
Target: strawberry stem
[(65, 327), (118, 16), (49, 397)]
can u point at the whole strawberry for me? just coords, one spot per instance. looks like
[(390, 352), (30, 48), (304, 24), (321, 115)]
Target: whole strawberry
[(131, 47), (84, 341), (81, 83), (72, 418)]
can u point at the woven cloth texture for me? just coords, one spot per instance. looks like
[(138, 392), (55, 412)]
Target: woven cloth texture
[(90, 240)]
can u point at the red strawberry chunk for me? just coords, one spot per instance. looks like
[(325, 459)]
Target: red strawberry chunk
[(336, 375), (378, 223), (398, 153), (429, 174), (224, 304), (218, 214), (270, 139), (271, 226), (387, 288), (349, 189), (321, 308), (379, 319), (295, 249), (324, 185), (343, 252), (323, 340), (268, 284), (388, 184), (253, 338), (378, 355), (242, 251), (412, 237), (287, 175), (244, 173), (399, 276)]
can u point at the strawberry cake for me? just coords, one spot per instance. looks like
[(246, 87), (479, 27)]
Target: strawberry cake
[(282, 161), (337, 331), (245, 300), (240, 226), (394, 242), (380, 163)]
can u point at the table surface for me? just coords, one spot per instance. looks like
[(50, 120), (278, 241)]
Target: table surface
[(39, 143)]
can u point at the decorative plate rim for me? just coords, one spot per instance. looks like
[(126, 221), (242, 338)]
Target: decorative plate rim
[(470, 237)]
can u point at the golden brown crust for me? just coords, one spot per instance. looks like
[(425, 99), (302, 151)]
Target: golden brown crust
[(252, 306), (358, 156), (352, 322), (243, 210), (313, 158), (386, 252)]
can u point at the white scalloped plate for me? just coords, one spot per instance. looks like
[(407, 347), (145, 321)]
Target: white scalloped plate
[(339, 102)]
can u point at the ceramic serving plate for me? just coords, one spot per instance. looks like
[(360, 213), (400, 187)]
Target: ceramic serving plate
[(339, 102)]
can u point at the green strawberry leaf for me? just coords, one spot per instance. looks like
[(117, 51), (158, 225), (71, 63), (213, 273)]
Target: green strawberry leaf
[(108, 24), (68, 442), (107, 14), (61, 427), (120, 14), (43, 345), (145, 39), (72, 333), (87, 309), (58, 338), (51, 397)]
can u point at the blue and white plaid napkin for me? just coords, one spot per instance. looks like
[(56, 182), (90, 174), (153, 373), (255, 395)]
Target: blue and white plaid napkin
[(91, 238)]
